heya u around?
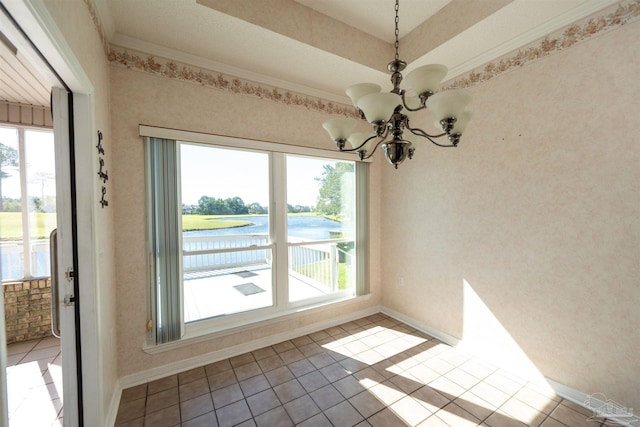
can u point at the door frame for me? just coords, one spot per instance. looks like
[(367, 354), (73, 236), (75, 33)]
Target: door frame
[(66, 257), (35, 20)]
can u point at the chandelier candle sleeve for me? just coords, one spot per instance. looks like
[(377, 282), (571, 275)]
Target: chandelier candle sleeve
[(461, 123)]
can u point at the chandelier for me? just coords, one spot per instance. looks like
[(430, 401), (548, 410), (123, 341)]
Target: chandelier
[(384, 111)]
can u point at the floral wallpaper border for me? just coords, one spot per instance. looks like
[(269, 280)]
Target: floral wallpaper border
[(97, 22), (173, 70), (558, 41), (613, 17)]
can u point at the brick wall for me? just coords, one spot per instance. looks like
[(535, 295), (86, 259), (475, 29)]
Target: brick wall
[(27, 310)]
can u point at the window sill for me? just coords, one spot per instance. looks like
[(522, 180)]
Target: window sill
[(264, 320)]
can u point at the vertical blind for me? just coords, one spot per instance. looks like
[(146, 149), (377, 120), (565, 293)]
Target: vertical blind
[(164, 237)]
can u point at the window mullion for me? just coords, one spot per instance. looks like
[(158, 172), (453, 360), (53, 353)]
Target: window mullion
[(26, 226), (278, 227)]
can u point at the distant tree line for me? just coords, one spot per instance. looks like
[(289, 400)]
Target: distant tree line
[(329, 201), (11, 205), (208, 205)]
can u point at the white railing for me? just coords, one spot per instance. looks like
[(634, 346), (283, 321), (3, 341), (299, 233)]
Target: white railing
[(12, 259), (314, 262), (205, 253)]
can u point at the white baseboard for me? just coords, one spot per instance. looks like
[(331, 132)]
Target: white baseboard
[(436, 333), (112, 413), (604, 408), (607, 409), (203, 359)]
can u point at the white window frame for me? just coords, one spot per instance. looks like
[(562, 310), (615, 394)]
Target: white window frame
[(277, 231), (26, 226)]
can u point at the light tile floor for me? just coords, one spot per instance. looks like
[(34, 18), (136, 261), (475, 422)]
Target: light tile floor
[(375, 371), (34, 383)]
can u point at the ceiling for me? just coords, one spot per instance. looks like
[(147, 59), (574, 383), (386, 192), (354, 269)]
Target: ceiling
[(20, 82), (320, 47), (317, 47)]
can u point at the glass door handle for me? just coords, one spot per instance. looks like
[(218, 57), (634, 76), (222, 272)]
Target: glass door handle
[(55, 301)]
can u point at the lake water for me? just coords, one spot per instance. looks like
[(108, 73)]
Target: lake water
[(305, 227)]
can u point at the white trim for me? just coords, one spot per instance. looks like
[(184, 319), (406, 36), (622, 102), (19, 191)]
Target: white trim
[(68, 326), (88, 256), (436, 333), (4, 393), (579, 12), (208, 64), (34, 18), (587, 401), (203, 359), (229, 141), (114, 405), (207, 333)]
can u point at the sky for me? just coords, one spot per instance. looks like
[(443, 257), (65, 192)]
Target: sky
[(205, 170), (224, 173), (40, 158)]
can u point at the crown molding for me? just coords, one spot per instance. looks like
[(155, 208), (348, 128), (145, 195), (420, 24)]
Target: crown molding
[(617, 15), (152, 49), (559, 22)]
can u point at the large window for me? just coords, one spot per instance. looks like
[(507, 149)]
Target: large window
[(243, 234), (27, 202)]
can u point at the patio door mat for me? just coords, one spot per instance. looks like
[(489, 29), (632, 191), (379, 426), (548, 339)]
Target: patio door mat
[(247, 289), (245, 274)]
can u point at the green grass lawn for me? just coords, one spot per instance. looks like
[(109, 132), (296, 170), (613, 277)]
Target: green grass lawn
[(11, 225), (43, 223), (210, 222)]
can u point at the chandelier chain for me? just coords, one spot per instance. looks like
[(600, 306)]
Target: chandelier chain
[(389, 121), (397, 31)]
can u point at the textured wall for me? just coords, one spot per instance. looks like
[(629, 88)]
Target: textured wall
[(526, 237), (141, 98)]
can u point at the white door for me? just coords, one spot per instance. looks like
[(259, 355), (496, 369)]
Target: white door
[(64, 281), (66, 242)]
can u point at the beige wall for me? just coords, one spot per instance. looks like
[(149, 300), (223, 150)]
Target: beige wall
[(537, 211), (140, 98), (98, 297)]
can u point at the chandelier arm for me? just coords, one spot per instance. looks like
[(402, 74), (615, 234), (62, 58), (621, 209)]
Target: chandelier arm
[(430, 138), (365, 141), (441, 145), (420, 132), (374, 148), (348, 150), (372, 152), (404, 104)]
